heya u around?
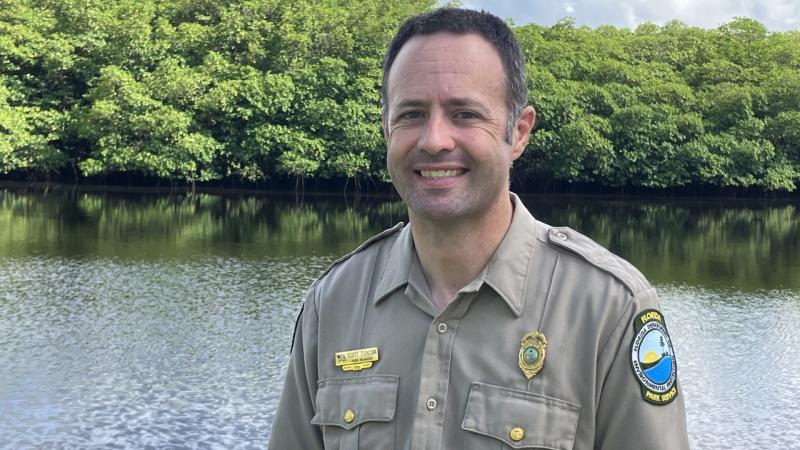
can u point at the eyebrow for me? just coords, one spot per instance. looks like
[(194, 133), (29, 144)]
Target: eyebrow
[(455, 101), (464, 101)]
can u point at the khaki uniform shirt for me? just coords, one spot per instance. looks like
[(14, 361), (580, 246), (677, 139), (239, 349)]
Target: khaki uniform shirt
[(452, 379)]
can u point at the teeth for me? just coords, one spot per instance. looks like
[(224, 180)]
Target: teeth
[(439, 173)]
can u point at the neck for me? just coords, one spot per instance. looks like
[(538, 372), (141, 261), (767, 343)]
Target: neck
[(453, 253)]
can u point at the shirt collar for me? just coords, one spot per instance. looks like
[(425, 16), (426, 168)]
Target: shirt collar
[(506, 272), (397, 272)]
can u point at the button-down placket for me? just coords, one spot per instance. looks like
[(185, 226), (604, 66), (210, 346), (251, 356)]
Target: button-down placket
[(435, 374)]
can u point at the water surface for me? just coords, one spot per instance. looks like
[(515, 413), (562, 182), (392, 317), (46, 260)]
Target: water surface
[(129, 321)]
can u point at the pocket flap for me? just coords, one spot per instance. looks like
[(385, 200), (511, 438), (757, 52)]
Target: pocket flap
[(537, 421), (349, 402)]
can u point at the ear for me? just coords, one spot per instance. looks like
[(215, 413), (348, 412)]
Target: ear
[(383, 126), (522, 131)]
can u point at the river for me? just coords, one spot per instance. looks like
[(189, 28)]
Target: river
[(139, 320)]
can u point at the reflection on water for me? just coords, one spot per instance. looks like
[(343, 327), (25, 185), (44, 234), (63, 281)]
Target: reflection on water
[(708, 244), (752, 247), (148, 226), (166, 321)]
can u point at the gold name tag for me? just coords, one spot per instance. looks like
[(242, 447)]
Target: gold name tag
[(354, 360)]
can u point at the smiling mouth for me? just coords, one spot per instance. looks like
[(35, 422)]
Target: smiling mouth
[(436, 174)]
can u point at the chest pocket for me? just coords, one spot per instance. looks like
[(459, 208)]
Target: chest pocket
[(520, 419), (358, 412)]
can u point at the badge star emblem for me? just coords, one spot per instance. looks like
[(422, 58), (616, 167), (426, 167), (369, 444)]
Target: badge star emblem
[(532, 350)]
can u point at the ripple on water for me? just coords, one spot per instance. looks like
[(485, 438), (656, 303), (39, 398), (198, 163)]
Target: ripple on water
[(135, 354), (116, 354), (737, 358)]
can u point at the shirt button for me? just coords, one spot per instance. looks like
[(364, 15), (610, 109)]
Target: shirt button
[(442, 328), (431, 404), (516, 434), (561, 236), (349, 416)]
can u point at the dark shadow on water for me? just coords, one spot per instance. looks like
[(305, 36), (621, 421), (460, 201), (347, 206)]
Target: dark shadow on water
[(744, 244)]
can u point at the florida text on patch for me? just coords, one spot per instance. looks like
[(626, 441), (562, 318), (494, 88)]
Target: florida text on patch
[(653, 358)]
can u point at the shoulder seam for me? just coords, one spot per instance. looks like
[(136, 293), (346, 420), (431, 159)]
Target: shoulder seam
[(369, 242), (610, 263)]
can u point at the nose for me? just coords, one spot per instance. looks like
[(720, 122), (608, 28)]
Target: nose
[(437, 134)]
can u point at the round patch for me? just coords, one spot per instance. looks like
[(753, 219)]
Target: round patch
[(653, 358)]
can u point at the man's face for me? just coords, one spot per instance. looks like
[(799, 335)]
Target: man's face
[(445, 127)]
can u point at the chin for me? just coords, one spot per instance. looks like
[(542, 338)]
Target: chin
[(443, 213)]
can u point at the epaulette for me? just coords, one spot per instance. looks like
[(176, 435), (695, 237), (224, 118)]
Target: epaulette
[(598, 256), (383, 234)]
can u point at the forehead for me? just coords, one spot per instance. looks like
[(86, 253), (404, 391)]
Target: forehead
[(443, 64)]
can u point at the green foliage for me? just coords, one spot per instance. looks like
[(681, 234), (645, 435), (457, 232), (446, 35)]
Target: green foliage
[(258, 89), (783, 131), (663, 106), (26, 135), (137, 133)]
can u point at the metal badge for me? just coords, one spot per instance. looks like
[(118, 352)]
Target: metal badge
[(355, 360), (532, 351)]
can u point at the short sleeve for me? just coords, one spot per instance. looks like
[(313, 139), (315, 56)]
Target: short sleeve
[(292, 426), (641, 402)]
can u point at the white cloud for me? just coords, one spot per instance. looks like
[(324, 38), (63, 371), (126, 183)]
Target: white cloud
[(776, 15)]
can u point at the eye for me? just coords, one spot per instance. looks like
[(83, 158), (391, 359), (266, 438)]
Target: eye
[(410, 115), (466, 115)]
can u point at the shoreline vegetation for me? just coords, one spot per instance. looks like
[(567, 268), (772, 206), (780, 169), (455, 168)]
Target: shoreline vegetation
[(180, 95)]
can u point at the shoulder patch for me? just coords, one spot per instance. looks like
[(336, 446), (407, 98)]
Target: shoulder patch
[(600, 257), (653, 358), (380, 236)]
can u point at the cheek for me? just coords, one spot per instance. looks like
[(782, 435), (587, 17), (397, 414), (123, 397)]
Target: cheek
[(399, 143), (480, 138), (401, 136), (394, 156)]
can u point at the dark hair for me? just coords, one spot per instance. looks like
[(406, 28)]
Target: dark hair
[(463, 21)]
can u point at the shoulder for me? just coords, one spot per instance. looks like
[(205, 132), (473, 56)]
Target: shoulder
[(347, 283), (590, 253), (371, 244)]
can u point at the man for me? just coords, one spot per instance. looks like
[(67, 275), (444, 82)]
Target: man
[(476, 326)]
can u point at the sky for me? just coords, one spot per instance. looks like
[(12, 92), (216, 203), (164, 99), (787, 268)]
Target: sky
[(776, 15)]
